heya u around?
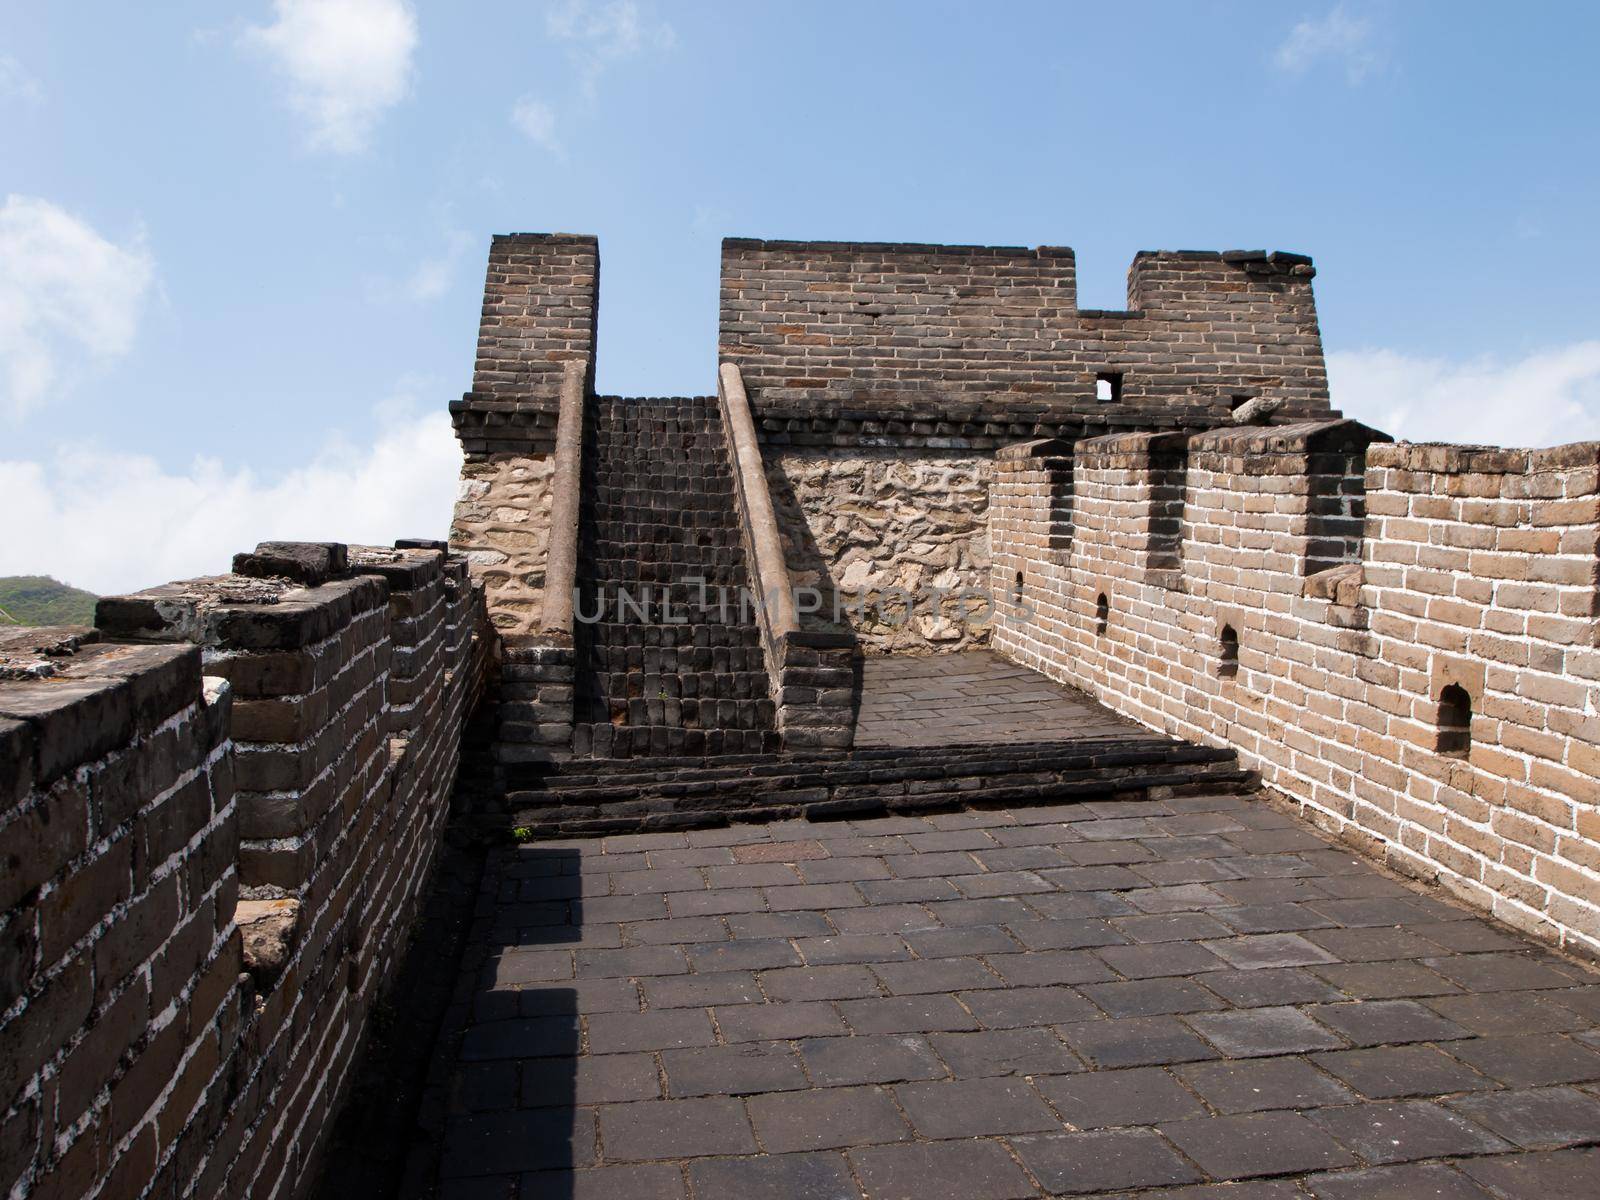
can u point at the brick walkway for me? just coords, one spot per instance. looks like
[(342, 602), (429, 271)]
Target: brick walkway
[(974, 696), (979, 1006)]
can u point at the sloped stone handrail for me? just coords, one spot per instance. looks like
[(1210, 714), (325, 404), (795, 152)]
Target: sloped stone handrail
[(561, 561)]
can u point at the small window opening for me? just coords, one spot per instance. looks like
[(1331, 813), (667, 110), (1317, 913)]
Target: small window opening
[(1235, 403), (1228, 668), (1108, 387), (1102, 615), (1455, 721), (1016, 590)]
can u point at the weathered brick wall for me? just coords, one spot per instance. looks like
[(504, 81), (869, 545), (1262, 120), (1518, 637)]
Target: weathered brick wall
[(502, 525), (540, 300), (140, 1061), (859, 524), (975, 335), (1478, 569)]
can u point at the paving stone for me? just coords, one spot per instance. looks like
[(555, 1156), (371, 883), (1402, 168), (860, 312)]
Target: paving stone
[(590, 1079), (974, 1108), (1161, 958), (843, 870), (885, 1058), (679, 931), (916, 866), (1019, 1007), (1389, 1071), (906, 1014), (1497, 972), (701, 991), (771, 1177), (674, 1129), (1256, 1085), (640, 1181), (852, 948), (1534, 1061), (694, 856), (1270, 986), (754, 875), (1553, 1175), (1405, 1130), (1172, 927), (1371, 945), (1187, 897), (1386, 980), (517, 1140), (956, 943), (930, 889), (1064, 906), (1044, 967), (826, 1118), (1066, 934), (1263, 1031), (584, 996), (1098, 1099), (819, 983), (601, 909), (636, 883), (633, 963), (715, 903), (1467, 936), (778, 925), (736, 1070), (935, 975), (800, 850), (778, 1022), (744, 954), (535, 1037), (1004, 1052), (487, 1086), (523, 966), (1508, 1013), (959, 914), (1535, 1119), (886, 918), (1020, 858), (812, 897), (1079, 1163), (1150, 997), (1268, 1143), (1135, 1041), (1271, 918), (964, 1170), (1413, 1181), (1376, 1022), (1093, 879), (615, 1033), (1256, 951)]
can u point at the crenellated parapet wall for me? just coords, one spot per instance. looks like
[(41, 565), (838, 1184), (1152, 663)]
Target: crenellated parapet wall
[(848, 342), (220, 809), (1401, 638)]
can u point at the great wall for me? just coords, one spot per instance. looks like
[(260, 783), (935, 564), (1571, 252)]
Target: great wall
[(832, 593)]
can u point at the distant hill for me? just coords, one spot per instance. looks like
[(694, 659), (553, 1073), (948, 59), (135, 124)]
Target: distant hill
[(40, 600)]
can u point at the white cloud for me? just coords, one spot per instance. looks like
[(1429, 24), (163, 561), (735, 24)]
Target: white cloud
[(112, 522), (1546, 398), (434, 275), (599, 36), (1337, 37), (347, 62), (66, 294), (537, 122), (17, 84)]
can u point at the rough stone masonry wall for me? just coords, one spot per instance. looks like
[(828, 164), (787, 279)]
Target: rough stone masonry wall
[(974, 335), (139, 1061), (1478, 569), (858, 522), (502, 525)]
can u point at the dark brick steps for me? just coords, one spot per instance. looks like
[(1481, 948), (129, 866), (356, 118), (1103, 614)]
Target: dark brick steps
[(669, 793), (659, 522)]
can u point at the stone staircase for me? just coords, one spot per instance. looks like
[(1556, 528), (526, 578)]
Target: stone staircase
[(596, 798), (674, 666)]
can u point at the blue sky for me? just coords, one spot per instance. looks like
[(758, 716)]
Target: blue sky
[(241, 245)]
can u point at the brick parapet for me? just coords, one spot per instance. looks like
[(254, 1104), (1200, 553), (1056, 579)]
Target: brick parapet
[(136, 1061), (914, 335), (1475, 568)]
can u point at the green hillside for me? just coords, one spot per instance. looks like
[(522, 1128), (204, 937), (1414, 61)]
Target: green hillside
[(40, 600)]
